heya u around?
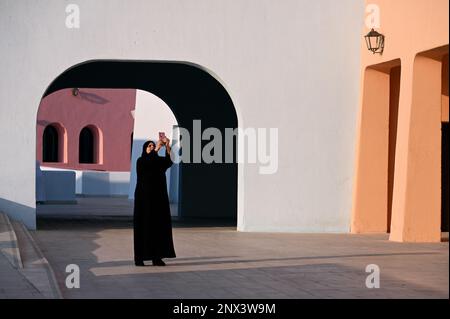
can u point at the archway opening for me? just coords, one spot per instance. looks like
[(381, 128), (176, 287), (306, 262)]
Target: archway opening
[(445, 154), (205, 191), (86, 146), (50, 143), (377, 147)]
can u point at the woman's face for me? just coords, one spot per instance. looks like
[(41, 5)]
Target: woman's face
[(150, 147)]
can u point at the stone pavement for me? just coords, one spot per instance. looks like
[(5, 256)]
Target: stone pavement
[(24, 270), (92, 206), (13, 284), (219, 262)]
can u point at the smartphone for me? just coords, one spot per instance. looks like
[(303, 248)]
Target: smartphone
[(162, 135)]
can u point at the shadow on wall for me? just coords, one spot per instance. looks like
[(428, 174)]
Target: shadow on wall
[(94, 98), (27, 214)]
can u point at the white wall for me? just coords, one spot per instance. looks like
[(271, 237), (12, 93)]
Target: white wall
[(94, 183), (59, 186), (151, 116), (290, 64), (105, 183), (78, 176)]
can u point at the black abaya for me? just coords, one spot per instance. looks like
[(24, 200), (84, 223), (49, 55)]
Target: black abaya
[(152, 219)]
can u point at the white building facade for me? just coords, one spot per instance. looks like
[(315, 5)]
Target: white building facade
[(291, 65)]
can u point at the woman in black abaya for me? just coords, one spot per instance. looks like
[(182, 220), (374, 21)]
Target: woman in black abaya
[(152, 220)]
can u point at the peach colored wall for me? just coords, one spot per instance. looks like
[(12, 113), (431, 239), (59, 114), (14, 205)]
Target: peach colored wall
[(410, 27), (108, 110), (418, 218), (373, 144)]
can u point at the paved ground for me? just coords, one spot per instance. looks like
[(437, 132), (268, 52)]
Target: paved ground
[(13, 284), (219, 262), (117, 206)]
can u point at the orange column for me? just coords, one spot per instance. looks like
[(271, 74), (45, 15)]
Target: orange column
[(369, 212), (416, 199)]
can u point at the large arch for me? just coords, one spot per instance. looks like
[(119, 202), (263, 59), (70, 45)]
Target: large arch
[(192, 93)]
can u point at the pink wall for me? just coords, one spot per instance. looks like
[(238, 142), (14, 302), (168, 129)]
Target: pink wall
[(107, 110)]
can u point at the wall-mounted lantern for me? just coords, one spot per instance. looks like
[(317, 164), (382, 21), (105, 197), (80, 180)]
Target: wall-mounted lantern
[(75, 91), (375, 41)]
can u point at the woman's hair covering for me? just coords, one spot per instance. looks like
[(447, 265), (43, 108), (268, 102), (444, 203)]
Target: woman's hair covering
[(144, 148)]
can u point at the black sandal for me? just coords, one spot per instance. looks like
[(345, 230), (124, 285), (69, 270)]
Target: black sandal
[(139, 263), (158, 262)]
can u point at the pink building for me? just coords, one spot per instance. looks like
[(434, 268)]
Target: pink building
[(86, 129)]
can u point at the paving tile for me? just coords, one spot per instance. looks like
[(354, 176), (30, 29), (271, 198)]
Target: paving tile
[(219, 262)]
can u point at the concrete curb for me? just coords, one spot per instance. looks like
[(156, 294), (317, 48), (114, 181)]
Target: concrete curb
[(9, 245), (49, 288)]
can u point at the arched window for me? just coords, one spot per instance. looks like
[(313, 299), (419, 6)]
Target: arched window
[(50, 141), (86, 146), (131, 145)]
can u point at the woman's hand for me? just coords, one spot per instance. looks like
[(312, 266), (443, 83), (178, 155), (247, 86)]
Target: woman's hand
[(159, 144), (166, 141)]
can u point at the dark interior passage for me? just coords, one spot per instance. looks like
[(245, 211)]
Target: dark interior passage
[(445, 179), (50, 144), (394, 95), (86, 146)]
